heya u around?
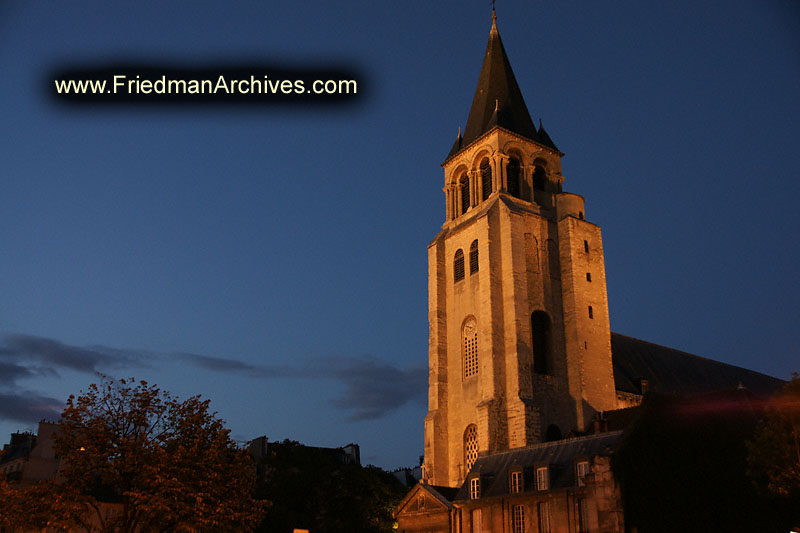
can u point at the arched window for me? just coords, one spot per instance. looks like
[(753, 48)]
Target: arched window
[(539, 179), (512, 176), (541, 342), (486, 178), (552, 433), (458, 266), (470, 446), (469, 335), (473, 257), (464, 184)]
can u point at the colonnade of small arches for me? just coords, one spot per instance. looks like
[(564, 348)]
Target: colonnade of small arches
[(527, 178)]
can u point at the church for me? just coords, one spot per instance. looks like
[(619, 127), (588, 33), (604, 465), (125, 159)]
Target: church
[(529, 391)]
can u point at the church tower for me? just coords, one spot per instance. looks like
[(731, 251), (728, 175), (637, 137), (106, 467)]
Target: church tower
[(519, 348)]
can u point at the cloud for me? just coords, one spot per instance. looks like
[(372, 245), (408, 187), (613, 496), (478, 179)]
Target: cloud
[(371, 388), (233, 366), (374, 388), (60, 355), (27, 406)]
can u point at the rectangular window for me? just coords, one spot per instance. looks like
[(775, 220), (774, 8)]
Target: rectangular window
[(591, 312), (543, 510), (475, 488), (583, 516), (542, 479), (581, 469), (518, 519), (477, 527), (516, 482)]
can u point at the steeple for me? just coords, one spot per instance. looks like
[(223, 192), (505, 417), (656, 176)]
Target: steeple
[(498, 100)]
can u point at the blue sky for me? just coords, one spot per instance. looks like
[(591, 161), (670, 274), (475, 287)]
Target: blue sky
[(273, 258)]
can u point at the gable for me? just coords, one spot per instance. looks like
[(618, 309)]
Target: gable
[(422, 499)]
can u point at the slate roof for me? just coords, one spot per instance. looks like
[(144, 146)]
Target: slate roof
[(670, 371), (498, 100), (559, 456), (447, 493)]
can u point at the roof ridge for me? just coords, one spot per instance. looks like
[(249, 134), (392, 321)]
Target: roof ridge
[(555, 442)]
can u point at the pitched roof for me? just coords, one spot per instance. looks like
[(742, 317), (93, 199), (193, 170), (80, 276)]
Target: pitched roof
[(558, 456), (442, 495), (498, 100), (670, 371)]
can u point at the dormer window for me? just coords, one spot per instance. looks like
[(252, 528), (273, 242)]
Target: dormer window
[(475, 488), (542, 478), (517, 482), (581, 469)]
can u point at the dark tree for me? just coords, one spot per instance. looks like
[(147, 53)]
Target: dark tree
[(774, 452), (310, 488), (134, 458), (683, 467)]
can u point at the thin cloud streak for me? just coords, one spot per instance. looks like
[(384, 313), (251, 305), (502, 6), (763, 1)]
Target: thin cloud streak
[(57, 354), (372, 388), (29, 407)]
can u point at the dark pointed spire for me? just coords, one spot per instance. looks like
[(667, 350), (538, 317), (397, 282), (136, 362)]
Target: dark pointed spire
[(498, 100), (456, 145), (544, 138)]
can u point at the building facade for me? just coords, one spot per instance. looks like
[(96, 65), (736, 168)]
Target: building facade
[(525, 376), (520, 348)]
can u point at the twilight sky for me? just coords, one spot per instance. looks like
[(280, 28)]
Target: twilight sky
[(273, 258)]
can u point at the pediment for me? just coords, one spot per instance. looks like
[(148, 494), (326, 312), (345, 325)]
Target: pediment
[(422, 499)]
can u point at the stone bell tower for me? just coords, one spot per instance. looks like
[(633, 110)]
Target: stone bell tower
[(519, 348)]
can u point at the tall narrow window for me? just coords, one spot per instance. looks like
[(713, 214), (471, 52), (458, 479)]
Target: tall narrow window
[(539, 179), (477, 526), (540, 331), (470, 336), (581, 469), (458, 266), (470, 446), (591, 312), (512, 176), (473, 257), (516, 482), (542, 478), (486, 178), (474, 488), (588, 276), (464, 185), (543, 510), (518, 519), (586, 246)]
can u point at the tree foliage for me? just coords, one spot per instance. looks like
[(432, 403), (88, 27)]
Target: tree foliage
[(133, 457), (310, 489), (683, 467), (774, 452)]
